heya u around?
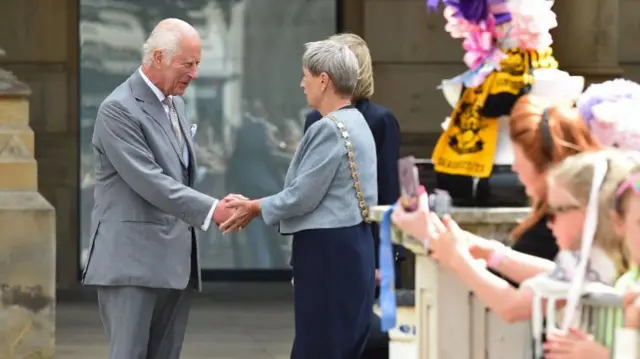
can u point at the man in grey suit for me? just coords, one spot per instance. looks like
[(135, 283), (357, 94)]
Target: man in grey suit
[(144, 255)]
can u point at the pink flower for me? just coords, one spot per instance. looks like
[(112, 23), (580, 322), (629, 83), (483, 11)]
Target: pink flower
[(480, 45), (457, 27)]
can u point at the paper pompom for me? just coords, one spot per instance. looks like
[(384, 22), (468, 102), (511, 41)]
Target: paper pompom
[(608, 91), (612, 111), (531, 21)]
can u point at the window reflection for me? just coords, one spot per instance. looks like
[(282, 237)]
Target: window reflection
[(246, 101)]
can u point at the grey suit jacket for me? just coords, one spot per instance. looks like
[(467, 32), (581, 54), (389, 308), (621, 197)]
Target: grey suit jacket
[(318, 190), (145, 208)]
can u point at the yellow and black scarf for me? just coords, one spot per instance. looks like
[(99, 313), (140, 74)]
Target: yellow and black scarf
[(468, 145)]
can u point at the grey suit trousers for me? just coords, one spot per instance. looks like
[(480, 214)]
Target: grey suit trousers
[(144, 323)]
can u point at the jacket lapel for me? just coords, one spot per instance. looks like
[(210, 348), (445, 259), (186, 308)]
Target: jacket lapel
[(153, 107)]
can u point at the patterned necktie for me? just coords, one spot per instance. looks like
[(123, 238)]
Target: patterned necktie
[(175, 124)]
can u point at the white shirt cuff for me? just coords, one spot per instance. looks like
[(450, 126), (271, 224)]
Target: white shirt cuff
[(207, 221), (627, 341)]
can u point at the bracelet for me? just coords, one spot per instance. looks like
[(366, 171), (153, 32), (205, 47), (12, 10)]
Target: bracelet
[(496, 256)]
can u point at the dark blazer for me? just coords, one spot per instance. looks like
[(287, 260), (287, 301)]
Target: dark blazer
[(386, 134)]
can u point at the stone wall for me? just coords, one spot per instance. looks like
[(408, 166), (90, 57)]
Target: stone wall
[(40, 38)]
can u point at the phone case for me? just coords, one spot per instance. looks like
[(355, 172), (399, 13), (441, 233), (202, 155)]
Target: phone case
[(409, 183)]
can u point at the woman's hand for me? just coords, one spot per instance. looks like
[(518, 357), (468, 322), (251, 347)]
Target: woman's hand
[(631, 305), (445, 242), (576, 344), (481, 248), (244, 211), (414, 223)]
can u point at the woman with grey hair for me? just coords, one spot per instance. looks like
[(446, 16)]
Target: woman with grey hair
[(328, 189)]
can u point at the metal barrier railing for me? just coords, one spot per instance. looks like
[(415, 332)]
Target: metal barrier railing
[(445, 323), (601, 316)]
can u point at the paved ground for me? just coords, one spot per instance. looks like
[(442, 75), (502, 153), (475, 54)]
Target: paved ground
[(249, 323)]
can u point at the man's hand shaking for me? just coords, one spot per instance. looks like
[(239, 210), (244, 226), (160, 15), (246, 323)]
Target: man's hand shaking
[(224, 212)]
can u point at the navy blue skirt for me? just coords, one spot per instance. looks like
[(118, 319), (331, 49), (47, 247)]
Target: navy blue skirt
[(334, 276)]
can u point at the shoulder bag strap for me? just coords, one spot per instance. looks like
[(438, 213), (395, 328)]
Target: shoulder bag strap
[(364, 209)]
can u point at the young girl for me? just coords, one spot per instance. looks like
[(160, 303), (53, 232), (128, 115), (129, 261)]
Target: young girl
[(626, 223), (610, 111), (567, 196)]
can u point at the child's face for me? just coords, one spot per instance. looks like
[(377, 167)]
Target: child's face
[(628, 225), (566, 218)]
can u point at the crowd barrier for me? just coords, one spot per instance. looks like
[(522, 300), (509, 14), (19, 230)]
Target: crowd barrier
[(444, 320)]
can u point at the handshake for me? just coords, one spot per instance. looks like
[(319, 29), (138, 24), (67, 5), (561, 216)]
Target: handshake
[(234, 212)]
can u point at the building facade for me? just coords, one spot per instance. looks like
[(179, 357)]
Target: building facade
[(73, 52)]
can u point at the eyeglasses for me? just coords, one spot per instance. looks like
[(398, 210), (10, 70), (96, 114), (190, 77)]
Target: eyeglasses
[(553, 211), (632, 183)]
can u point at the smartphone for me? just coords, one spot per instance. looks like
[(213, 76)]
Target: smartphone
[(440, 202), (409, 183)]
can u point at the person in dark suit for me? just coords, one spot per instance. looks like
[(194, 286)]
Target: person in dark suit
[(386, 134), (384, 127)]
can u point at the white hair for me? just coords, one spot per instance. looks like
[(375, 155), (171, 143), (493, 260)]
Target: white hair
[(166, 39), (336, 60)]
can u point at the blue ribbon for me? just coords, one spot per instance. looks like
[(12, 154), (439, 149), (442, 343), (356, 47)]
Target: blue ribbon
[(386, 261), (474, 77)]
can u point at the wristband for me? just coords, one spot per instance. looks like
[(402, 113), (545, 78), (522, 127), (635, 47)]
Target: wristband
[(496, 256)]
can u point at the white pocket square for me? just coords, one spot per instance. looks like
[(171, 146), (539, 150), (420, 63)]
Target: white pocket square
[(193, 129)]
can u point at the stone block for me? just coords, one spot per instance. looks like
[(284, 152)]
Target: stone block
[(27, 236), (593, 54), (38, 30), (16, 138), (14, 111), (401, 31), (50, 99), (632, 71), (57, 156), (19, 175), (420, 145), (629, 32), (411, 92), (18, 169), (65, 200), (27, 276)]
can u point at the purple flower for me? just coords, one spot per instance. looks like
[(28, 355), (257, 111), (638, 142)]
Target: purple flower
[(609, 91)]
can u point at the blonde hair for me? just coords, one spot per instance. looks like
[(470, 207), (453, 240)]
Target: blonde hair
[(364, 87), (575, 174), (621, 202)]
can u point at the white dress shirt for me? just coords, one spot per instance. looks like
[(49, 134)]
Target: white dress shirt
[(185, 151)]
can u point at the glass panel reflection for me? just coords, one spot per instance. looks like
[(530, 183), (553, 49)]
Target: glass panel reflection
[(247, 101)]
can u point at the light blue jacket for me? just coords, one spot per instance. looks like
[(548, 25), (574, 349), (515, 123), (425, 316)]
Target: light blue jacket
[(318, 189)]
